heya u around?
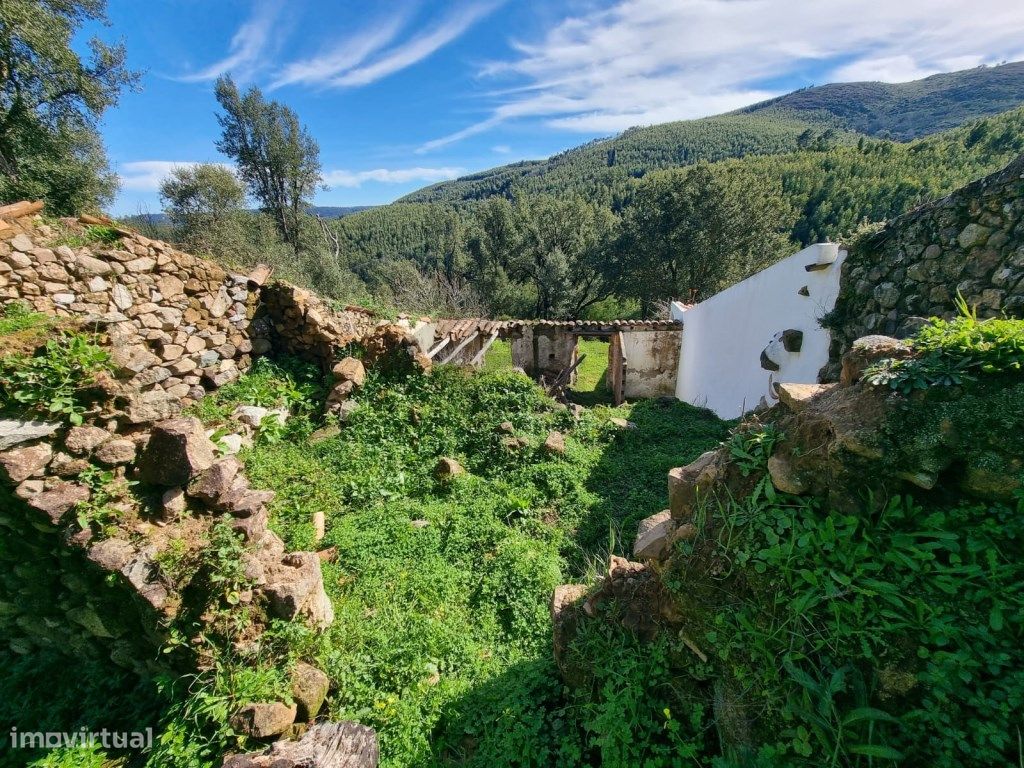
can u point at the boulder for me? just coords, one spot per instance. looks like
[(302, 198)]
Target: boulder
[(686, 484), (155, 405), (324, 745), (173, 503), (116, 452), (309, 689), (216, 481), (111, 554), (654, 536), (58, 499), (295, 588), (555, 443), (796, 396), (15, 431), (867, 350), (22, 463), (447, 468), (263, 720), (350, 369), (784, 477), (178, 450)]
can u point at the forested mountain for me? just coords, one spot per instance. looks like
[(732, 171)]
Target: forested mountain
[(836, 113), (764, 205), (904, 111)]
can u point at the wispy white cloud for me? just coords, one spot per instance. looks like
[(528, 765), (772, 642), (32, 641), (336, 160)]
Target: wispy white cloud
[(247, 48), (501, 149), (645, 61), (345, 56), (343, 178), (146, 175), (363, 59)]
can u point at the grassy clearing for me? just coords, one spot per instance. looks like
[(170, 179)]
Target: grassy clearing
[(591, 387), (442, 638)]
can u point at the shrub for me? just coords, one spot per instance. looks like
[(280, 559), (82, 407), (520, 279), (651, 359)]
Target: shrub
[(51, 383)]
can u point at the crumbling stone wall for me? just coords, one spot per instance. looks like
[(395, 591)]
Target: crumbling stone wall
[(971, 242), (176, 323)]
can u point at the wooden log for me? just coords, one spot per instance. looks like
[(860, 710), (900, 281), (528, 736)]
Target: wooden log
[(86, 218), (325, 745), (17, 210)]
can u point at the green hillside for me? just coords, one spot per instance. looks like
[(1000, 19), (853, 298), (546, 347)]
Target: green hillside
[(842, 111), (904, 111)]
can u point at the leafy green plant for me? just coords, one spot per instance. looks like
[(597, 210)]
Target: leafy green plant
[(99, 513), (16, 316), (953, 352), (51, 383)]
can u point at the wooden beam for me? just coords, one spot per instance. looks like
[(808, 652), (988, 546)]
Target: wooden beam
[(17, 210), (443, 343), (483, 350), (462, 345)]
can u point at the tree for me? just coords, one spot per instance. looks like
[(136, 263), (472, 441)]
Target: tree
[(50, 101), (276, 157), (204, 202), (688, 234)]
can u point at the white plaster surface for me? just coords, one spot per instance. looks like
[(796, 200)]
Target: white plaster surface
[(723, 337), (652, 358)]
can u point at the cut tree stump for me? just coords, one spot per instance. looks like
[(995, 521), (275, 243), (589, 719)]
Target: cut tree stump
[(325, 745)]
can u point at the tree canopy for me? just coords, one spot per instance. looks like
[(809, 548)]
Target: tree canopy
[(50, 101)]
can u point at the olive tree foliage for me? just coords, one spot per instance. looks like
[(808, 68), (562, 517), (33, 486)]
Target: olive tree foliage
[(50, 101), (688, 234), (277, 158), (541, 256), (205, 205)]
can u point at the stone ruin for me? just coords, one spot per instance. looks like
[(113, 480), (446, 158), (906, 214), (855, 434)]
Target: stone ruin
[(176, 327)]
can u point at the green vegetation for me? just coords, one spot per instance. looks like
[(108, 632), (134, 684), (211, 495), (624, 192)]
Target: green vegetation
[(51, 383), (50, 101), (951, 352)]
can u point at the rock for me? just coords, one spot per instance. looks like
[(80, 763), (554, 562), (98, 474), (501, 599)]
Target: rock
[(654, 536), (555, 443), (295, 588), (30, 488), (687, 484), (988, 484), (345, 410), (155, 405), (796, 396), (250, 415), (143, 574), (868, 350), (419, 523), (121, 297), (22, 463), (350, 369), (91, 266), (65, 465), (230, 444), (15, 431), (22, 243), (319, 526), (173, 503), (783, 476), (972, 235), (309, 689), (216, 481), (111, 554), (565, 607), (447, 468), (244, 502), (339, 393), (253, 527), (132, 359), (622, 423), (263, 720), (116, 452), (177, 451), (58, 499)]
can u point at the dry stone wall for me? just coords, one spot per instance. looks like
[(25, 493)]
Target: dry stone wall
[(971, 242)]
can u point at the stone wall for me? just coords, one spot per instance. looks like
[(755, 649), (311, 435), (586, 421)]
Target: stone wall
[(971, 242), (176, 323)]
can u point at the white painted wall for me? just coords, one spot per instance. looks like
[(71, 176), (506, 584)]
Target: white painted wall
[(723, 337)]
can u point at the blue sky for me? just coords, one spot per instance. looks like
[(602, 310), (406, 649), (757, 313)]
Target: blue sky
[(402, 93)]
